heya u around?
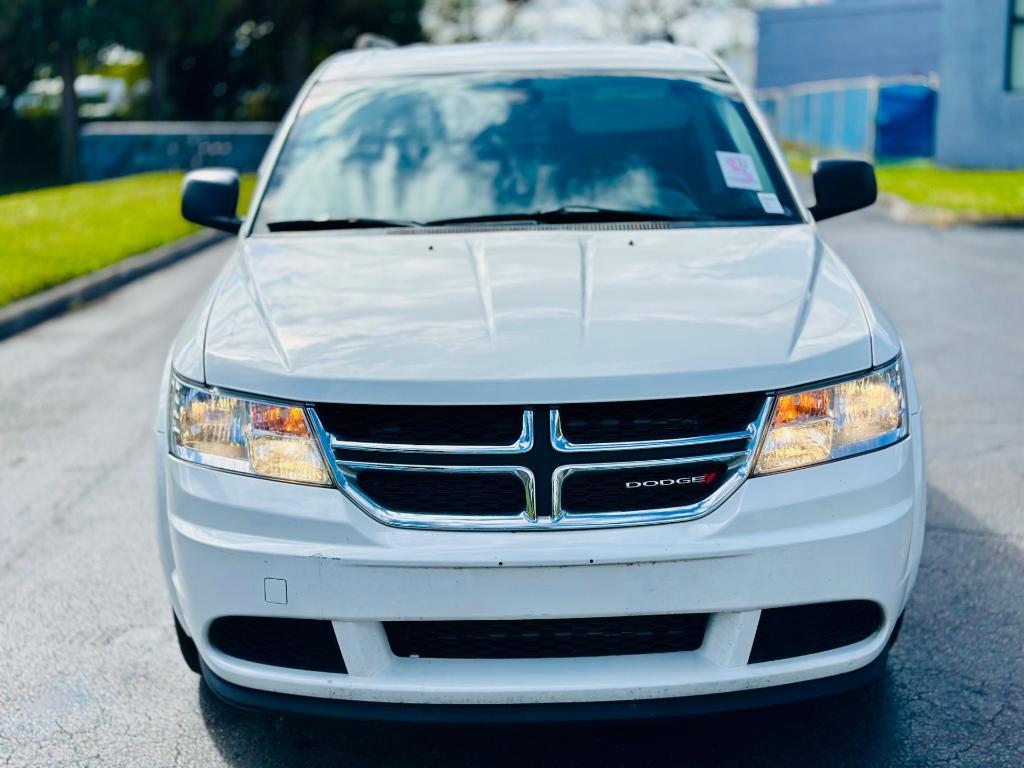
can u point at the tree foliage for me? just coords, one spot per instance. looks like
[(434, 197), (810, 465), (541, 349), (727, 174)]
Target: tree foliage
[(54, 36), (206, 59)]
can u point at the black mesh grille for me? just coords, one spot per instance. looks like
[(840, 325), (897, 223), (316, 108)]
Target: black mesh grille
[(453, 493), (658, 419), (294, 643), (637, 489), (423, 425), (800, 630), (546, 638)]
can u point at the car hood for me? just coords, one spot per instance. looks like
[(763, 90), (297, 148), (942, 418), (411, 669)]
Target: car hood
[(543, 316)]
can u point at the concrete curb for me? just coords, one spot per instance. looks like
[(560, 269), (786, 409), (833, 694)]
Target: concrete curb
[(32, 310)]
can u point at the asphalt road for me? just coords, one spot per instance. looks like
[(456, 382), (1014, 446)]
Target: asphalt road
[(89, 671)]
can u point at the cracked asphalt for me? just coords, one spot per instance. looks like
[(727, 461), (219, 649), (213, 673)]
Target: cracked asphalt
[(90, 674)]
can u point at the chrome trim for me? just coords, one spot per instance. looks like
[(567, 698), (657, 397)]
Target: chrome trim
[(344, 479), (348, 470), (737, 463), (739, 468), (522, 445), (563, 445)]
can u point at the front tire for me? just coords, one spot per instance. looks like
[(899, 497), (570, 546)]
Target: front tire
[(187, 646)]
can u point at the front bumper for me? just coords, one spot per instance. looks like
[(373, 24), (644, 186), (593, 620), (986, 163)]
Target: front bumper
[(587, 711), (850, 530)]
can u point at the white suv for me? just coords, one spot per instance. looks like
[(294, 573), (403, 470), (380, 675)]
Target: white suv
[(530, 391)]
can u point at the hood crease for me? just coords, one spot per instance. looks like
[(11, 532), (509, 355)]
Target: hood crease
[(478, 257), (805, 308), (545, 316), (259, 304), (587, 246)]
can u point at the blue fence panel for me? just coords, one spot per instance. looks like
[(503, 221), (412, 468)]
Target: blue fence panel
[(827, 120), (900, 123), (807, 118), (906, 121), (792, 118), (856, 120)]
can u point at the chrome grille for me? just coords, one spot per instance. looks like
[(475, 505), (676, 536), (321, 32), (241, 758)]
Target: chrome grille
[(466, 429), (631, 464), (647, 422), (637, 488), (454, 493)]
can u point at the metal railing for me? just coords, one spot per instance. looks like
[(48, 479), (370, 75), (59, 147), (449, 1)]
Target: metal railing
[(842, 115)]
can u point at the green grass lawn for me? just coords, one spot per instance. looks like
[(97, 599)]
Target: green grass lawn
[(51, 235), (988, 194)]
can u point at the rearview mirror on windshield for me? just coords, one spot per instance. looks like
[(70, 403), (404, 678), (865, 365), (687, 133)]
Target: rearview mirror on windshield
[(841, 186)]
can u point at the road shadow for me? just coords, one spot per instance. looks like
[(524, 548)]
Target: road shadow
[(812, 733), (952, 693)]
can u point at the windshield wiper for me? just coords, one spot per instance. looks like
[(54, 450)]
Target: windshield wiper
[(311, 225), (567, 214), (572, 214)]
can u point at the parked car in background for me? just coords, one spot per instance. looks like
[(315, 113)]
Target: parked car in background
[(98, 96), (531, 391)]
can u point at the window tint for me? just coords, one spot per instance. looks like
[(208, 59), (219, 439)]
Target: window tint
[(432, 148)]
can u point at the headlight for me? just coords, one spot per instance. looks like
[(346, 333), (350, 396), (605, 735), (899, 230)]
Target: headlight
[(242, 435), (832, 422)]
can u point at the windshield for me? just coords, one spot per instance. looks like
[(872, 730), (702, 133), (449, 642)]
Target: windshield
[(455, 147)]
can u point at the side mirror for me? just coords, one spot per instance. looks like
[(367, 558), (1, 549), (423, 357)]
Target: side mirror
[(841, 186), (209, 197)]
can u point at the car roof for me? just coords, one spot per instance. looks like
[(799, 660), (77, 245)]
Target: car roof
[(490, 57)]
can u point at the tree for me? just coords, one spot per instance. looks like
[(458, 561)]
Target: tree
[(451, 21), (621, 20), (17, 65), (204, 56), (55, 35), (657, 19), (62, 29), (262, 51), (165, 26), (307, 31)]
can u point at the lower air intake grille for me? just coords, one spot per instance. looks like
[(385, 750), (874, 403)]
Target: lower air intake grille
[(546, 638), (800, 630), (658, 419), (637, 489), (444, 493), (294, 643)]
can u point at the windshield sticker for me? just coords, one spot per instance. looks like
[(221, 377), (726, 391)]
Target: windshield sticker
[(770, 202), (739, 171)]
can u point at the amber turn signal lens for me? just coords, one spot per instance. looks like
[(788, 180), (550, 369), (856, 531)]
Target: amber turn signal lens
[(279, 419), (812, 404)]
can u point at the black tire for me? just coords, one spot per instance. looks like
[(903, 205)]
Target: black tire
[(189, 652)]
